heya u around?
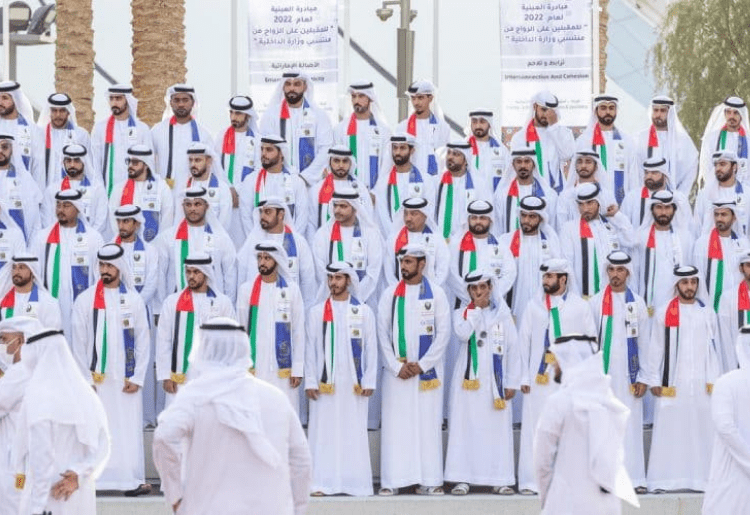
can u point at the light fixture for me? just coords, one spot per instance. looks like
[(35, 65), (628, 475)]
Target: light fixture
[(19, 15), (42, 20), (384, 13)]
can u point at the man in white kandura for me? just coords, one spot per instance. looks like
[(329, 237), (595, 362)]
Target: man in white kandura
[(111, 344), (723, 185), (112, 137), (341, 367), (490, 156), (726, 131), (181, 314), (175, 132), (578, 448), (557, 309), (17, 119), (728, 489), (23, 293), (14, 378), (62, 440), (413, 332), (271, 310), (623, 327), (485, 379), (231, 442), (58, 121), (682, 367), (734, 313)]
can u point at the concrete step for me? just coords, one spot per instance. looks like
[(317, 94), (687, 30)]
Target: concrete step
[(472, 504)]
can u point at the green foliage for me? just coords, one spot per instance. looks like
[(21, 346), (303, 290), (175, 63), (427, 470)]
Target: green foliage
[(703, 56)]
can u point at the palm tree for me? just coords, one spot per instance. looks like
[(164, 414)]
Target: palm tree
[(74, 57), (158, 53), (603, 38)]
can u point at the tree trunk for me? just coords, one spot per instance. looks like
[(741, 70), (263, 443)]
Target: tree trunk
[(74, 57), (158, 53), (603, 39)]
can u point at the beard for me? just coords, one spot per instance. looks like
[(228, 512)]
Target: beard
[(664, 219), (21, 281), (4, 161), (606, 119), (72, 172), (408, 275), (479, 133), (293, 97), (528, 228), (479, 229), (108, 279), (551, 288), (655, 185), (400, 160), (267, 270)]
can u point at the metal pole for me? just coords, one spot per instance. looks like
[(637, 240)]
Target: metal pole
[(6, 39), (435, 42), (233, 50), (347, 54), (595, 50), (405, 58)]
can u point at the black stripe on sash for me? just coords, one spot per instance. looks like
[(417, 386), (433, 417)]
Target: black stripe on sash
[(388, 194), (739, 319), (585, 266), (643, 209), (46, 263), (169, 156), (648, 269), (282, 128), (393, 319), (460, 262), (708, 275), (95, 357), (106, 158), (439, 199), (650, 151), (46, 163), (324, 377), (175, 340), (667, 343), (507, 213), (468, 361)]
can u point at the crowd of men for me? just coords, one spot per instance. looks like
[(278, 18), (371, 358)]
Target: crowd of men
[(386, 277)]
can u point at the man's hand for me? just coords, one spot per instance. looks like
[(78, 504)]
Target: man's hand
[(656, 390), (130, 387), (367, 392), (63, 489), (312, 393), (525, 388), (640, 390), (415, 368), (509, 394), (169, 386), (405, 372), (612, 210), (235, 198), (176, 506), (294, 382)]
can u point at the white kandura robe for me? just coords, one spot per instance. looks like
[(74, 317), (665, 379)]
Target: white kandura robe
[(46, 309), (216, 244), (266, 366), (532, 253), (503, 223), (11, 243), (575, 318), (637, 209), (366, 255), (710, 144), (325, 212), (288, 186), (437, 250), (70, 251), (557, 145), (622, 155), (430, 137), (301, 268), (94, 200), (493, 161), (182, 139), (310, 122), (496, 258), (54, 449), (411, 445), (729, 327), (149, 196), (462, 197), (59, 139), (212, 468), (21, 192), (29, 142), (728, 489), (125, 469), (12, 388), (567, 203), (703, 211), (387, 216), (733, 250), (372, 140), (678, 149), (124, 138), (480, 440), (205, 308), (619, 371), (682, 435), (219, 198), (337, 431)]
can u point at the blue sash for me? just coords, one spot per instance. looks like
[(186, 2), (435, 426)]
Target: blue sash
[(306, 146), (283, 340), (356, 344), (17, 213), (432, 167), (543, 363), (495, 178), (425, 340), (619, 174), (497, 367), (138, 247), (26, 159), (151, 218), (79, 273), (374, 164), (246, 170)]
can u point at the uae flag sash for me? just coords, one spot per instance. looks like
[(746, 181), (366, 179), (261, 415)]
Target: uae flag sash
[(98, 366), (282, 326), (445, 205), (8, 304), (607, 326), (721, 144), (24, 143), (182, 249), (619, 175), (467, 253), (336, 244), (471, 374), (48, 148), (229, 154), (325, 194), (402, 240), (183, 334), (393, 196), (138, 250), (743, 305), (108, 166), (589, 261), (513, 202), (52, 274), (354, 329), (306, 145), (532, 136), (428, 380), (351, 132), (260, 189), (653, 141), (196, 137), (715, 268), (411, 128), (65, 182), (515, 250), (554, 322), (150, 217)]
